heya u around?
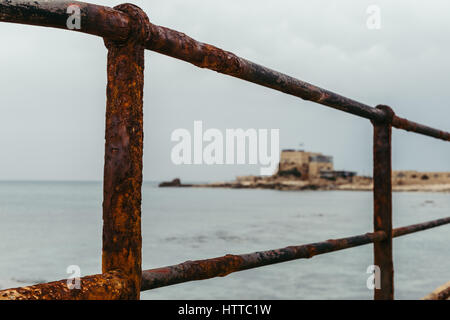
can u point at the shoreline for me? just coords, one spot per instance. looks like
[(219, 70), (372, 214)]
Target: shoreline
[(296, 185)]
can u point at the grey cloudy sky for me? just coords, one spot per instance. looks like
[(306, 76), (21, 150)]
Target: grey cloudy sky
[(52, 85)]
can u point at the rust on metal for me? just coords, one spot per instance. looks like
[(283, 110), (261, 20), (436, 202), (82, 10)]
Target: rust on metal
[(222, 266), (109, 286), (113, 24), (407, 125), (96, 20), (200, 269), (180, 46), (127, 32), (382, 193), (420, 227), (122, 241), (441, 293)]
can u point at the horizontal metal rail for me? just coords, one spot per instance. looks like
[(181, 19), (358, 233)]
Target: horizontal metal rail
[(112, 285), (222, 266), (180, 46), (441, 293), (96, 20), (127, 31), (405, 124), (116, 25), (398, 232)]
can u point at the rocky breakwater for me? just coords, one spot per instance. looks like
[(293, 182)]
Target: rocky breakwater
[(401, 181), (278, 182)]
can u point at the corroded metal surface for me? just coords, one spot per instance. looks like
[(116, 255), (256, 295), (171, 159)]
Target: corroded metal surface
[(200, 269), (407, 125), (122, 240), (441, 293), (180, 46), (382, 193), (113, 24), (127, 31), (109, 286), (222, 266), (398, 232), (96, 20)]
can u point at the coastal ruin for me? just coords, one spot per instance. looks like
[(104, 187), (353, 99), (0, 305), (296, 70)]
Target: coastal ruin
[(309, 165), (304, 170)]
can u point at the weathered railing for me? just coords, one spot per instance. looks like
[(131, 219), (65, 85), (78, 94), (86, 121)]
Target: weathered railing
[(127, 32)]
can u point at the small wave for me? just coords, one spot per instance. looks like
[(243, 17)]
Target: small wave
[(222, 235), (29, 281), (13, 282)]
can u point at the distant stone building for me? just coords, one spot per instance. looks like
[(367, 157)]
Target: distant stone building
[(309, 165), (416, 177)]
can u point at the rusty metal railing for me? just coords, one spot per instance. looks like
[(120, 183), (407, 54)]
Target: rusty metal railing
[(127, 31), (441, 293)]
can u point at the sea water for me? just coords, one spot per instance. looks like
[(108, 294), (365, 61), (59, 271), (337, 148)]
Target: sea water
[(47, 226)]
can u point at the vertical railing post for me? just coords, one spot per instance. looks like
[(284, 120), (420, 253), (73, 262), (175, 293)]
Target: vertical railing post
[(382, 191), (122, 241)]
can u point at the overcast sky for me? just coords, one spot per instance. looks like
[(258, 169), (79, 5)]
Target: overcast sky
[(53, 86)]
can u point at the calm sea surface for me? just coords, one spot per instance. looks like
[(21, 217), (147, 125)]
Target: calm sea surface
[(47, 226)]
